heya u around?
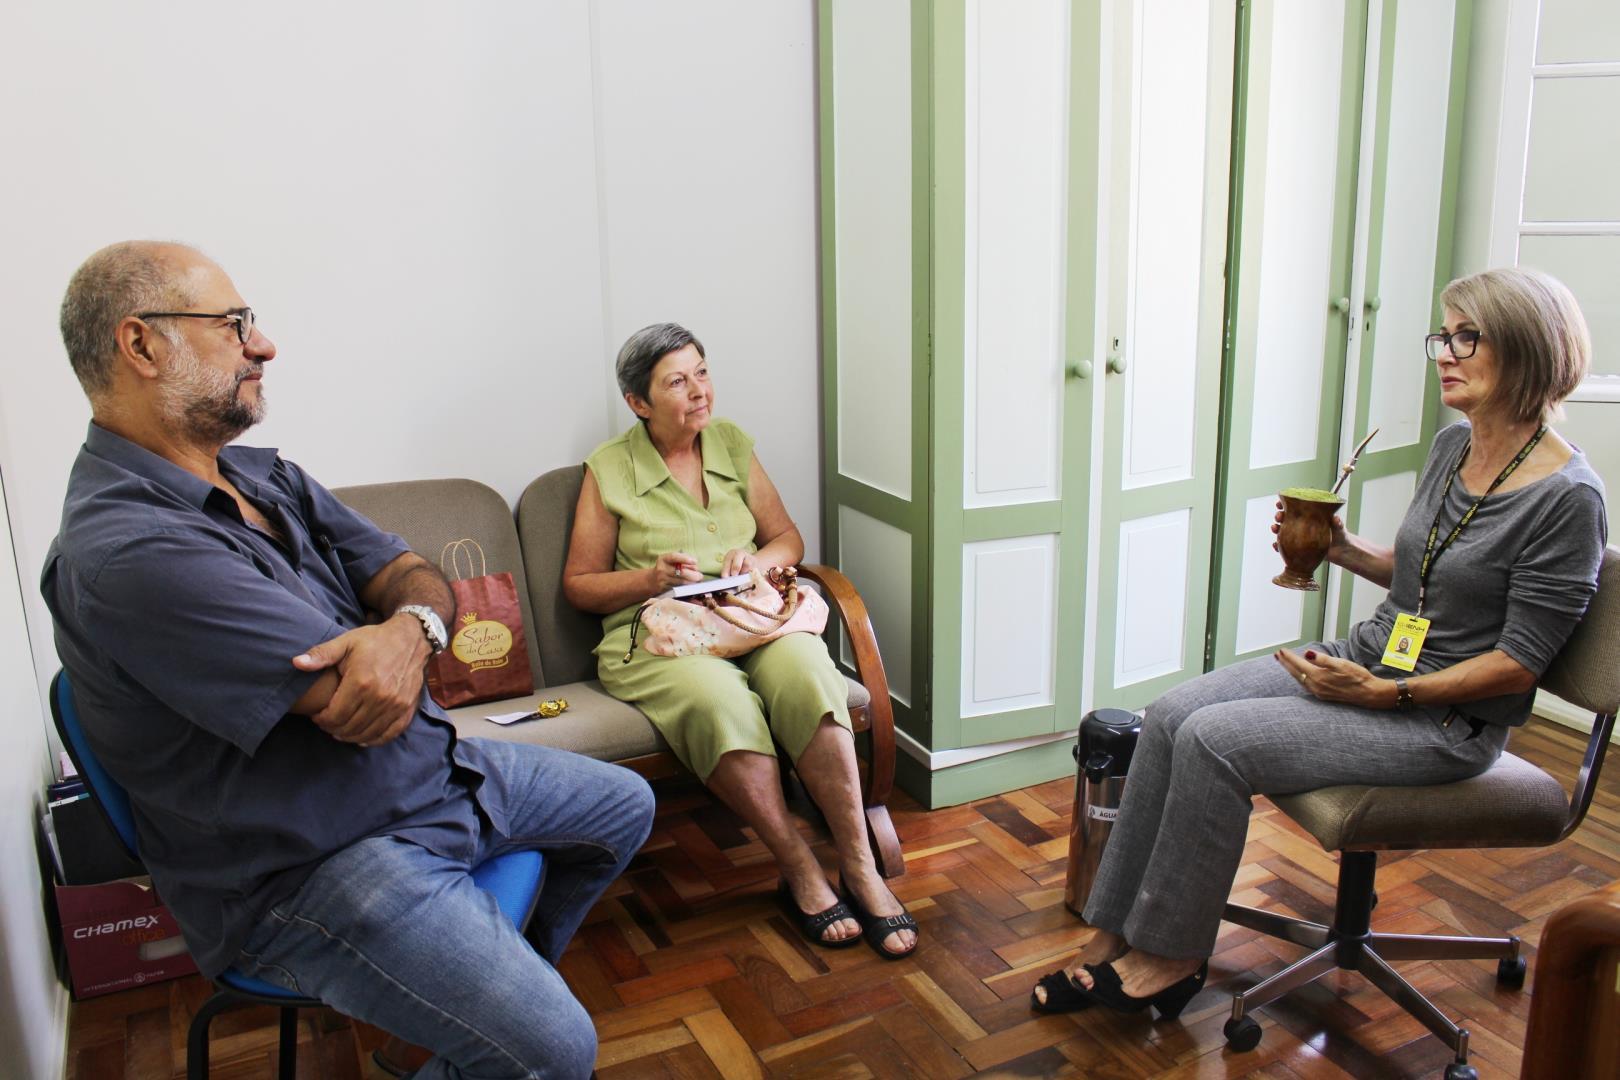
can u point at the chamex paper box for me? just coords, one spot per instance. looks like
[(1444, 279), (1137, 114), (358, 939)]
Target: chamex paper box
[(119, 935)]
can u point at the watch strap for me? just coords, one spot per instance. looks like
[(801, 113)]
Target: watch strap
[(1403, 694), (432, 626)]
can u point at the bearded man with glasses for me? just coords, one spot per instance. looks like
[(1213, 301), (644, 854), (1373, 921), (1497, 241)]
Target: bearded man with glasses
[(247, 656)]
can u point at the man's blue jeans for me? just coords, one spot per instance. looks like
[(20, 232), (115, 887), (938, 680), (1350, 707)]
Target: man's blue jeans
[(387, 932)]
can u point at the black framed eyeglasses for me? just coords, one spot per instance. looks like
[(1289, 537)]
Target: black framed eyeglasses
[(1462, 344), (243, 320)]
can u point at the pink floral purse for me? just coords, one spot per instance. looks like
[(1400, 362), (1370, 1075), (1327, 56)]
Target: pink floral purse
[(729, 624)]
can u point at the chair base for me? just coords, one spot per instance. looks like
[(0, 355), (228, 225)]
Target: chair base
[(1350, 945), (224, 1000)]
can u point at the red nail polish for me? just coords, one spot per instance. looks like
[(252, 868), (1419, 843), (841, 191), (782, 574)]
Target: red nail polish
[(1310, 655)]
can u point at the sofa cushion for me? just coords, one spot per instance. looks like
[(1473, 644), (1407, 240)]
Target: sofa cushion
[(596, 724), (545, 523), (429, 514)]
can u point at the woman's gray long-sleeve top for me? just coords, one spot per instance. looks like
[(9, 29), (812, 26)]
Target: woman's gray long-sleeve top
[(1517, 579)]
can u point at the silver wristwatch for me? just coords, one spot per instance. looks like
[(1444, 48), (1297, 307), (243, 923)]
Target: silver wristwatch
[(432, 625)]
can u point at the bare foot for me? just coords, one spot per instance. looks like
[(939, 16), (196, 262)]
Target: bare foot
[(812, 894), (875, 897), (1103, 948), (1142, 974)]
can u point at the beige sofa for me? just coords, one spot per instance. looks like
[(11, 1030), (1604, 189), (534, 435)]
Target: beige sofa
[(560, 639)]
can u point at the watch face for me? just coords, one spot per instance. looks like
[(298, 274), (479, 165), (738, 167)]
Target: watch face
[(436, 633)]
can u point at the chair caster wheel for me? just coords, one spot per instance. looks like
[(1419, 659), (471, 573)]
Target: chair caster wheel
[(1458, 1071), (1510, 972), (1243, 1035)]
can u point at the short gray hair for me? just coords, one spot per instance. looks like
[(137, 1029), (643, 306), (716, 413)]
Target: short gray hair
[(116, 281), (1537, 332), (646, 347)]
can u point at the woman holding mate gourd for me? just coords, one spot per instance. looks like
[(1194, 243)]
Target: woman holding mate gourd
[(1491, 569)]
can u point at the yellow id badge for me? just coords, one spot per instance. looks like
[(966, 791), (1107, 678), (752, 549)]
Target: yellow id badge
[(1405, 642)]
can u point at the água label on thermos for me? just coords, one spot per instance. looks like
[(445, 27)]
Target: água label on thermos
[(1103, 813)]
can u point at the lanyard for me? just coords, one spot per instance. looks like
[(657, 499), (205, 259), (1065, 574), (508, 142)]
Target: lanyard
[(1431, 554)]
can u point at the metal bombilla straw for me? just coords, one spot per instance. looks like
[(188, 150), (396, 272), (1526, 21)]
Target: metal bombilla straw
[(1350, 466)]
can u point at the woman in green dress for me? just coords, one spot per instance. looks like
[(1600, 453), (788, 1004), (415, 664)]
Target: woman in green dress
[(677, 498)]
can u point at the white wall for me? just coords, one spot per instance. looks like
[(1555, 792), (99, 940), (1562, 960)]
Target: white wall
[(446, 216), (706, 142), (447, 219), (33, 1005)]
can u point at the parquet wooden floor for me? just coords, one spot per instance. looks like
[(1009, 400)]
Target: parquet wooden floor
[(691, 971)]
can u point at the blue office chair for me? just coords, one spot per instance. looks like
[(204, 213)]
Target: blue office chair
[(513, 878)]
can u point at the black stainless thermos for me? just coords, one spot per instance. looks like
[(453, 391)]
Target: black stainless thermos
[(1107, 739)]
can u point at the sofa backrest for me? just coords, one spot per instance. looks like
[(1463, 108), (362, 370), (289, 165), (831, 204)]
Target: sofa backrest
[(545, 520), (429, 514)]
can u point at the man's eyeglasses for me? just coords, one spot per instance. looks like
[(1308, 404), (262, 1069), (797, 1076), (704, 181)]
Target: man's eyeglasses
[(243, 319), (1462, 344)]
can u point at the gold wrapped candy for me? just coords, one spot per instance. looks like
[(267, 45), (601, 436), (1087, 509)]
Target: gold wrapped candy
[(550, 708)]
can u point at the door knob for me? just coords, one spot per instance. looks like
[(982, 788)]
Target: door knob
[(1116, 364), (1342, 305), (1373, 303), (1080, 369)]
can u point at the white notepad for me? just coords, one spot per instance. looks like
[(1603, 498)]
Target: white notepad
[(734, 583)]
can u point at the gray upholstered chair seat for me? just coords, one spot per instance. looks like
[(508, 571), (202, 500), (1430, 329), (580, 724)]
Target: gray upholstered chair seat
[(1511, 804), (596, 724)]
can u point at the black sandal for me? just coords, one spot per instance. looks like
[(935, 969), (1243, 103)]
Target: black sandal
[(814, 926), (1063, 994), (1106, 989), (877, 928)]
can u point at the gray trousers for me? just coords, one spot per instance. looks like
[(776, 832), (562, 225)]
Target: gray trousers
[(1207, 747)]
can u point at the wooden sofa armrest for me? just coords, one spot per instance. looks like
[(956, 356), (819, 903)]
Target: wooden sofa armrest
[(843, 599), (1570, 1031)]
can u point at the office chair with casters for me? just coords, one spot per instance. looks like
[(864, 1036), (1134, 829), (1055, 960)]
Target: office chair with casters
[(513, 878), (1511, 804)]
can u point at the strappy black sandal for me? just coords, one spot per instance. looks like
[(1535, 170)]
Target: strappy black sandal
[(876, 928), (1107, 990), (814, 926), (1063, 994)]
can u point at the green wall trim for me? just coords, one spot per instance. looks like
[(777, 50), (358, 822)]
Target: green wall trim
[(1002, 522), (885, 506), (827, 227), (923, 425), (987, 777), (1446, 249), (1013, 724), (1193, 495), (1229, 361), (1241, 482), (1081, 331), (839, 490), (948, 163), (1375, 463)]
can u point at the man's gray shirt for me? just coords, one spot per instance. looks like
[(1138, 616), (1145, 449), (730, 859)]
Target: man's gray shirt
[(177, 622), (1518, 578)]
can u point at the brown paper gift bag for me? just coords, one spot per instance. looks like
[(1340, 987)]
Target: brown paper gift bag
[(488, 658)]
